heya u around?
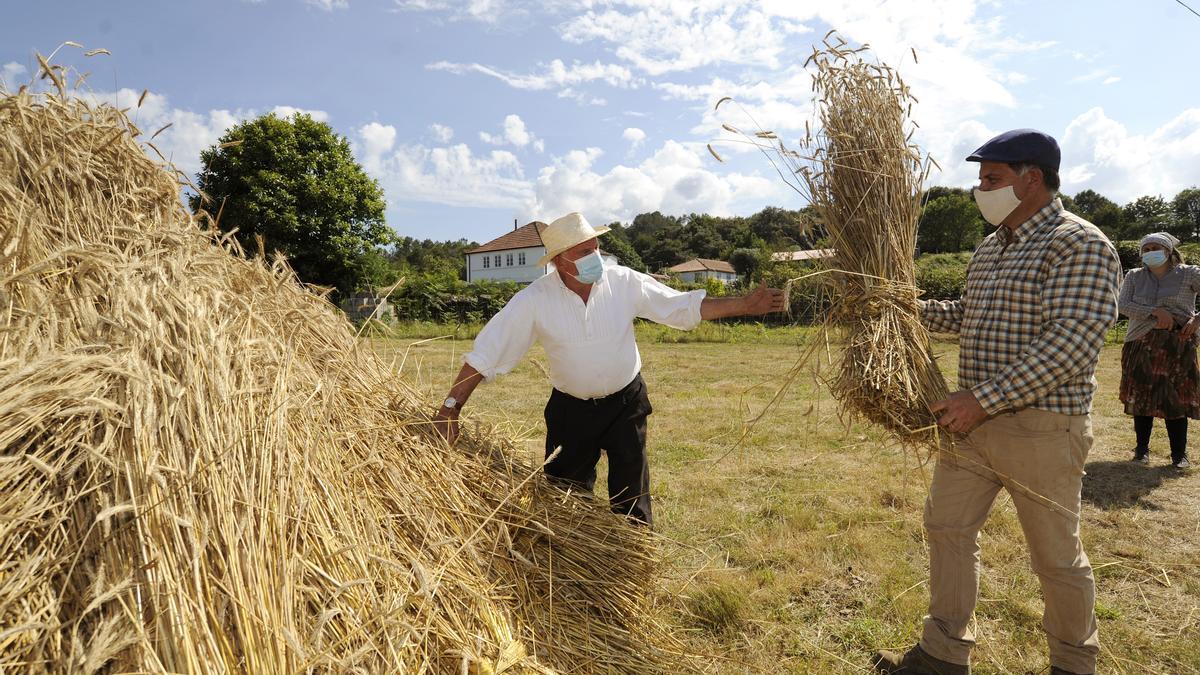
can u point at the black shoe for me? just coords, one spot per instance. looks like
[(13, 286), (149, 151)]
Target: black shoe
[(915, 661), (1141, 455), (1055, 670)]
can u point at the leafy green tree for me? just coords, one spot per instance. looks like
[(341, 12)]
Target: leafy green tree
[(652, 224), (746, 261), (443, 259), (294, 183), (949, 224), (704, 242), (1145, 215), (1186, 208), (939, 191), (1102, 212), (665, 253), (617, 243), (782, 228)]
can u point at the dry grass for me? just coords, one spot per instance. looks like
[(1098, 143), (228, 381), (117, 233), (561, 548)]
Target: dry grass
[(803, 550), (203, 470)]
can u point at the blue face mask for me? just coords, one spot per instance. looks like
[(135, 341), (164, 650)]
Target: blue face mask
[(589, 268), (1154, 258)]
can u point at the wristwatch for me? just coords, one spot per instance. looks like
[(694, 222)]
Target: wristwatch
[(451, 403)]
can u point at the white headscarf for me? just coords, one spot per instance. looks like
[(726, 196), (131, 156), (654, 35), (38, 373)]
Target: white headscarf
[(1162, 239)]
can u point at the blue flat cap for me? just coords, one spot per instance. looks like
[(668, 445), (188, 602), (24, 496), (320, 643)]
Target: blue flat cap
[(1020, 145)]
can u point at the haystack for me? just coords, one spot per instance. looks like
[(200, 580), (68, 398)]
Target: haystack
[(203, 470)]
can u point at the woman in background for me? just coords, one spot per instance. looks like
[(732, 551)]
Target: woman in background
[(1159, 375)]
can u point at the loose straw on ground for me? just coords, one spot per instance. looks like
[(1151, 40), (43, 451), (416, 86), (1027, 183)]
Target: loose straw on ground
[(203, 470)]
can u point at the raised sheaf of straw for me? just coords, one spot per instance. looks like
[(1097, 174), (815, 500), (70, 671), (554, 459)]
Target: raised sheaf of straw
[(203, 472), (862, 174)]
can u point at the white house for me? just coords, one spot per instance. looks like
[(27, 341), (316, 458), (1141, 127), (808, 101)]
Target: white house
[(797, 256), (699, 269), (513, 256)]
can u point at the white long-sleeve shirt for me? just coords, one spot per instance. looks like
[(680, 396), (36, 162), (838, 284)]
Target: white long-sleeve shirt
[(590, 347)]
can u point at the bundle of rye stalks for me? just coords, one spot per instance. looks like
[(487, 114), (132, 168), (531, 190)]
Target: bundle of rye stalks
[(203, 470), (859, 169)]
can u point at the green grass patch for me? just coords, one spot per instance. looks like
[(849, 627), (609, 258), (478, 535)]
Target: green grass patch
[(802, 549)]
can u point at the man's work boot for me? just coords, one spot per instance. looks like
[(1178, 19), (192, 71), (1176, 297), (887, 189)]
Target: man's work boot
[(915, 662), (1055, 670)]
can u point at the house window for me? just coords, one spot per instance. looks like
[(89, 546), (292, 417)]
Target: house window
[(487, 261), (521, 258), (497, 260), (508, 260)]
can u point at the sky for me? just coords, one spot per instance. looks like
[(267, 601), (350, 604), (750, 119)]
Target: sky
[(473, 113)]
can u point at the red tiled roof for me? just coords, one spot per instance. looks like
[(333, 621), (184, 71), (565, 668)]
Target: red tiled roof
[(702, 264), (526, 236)]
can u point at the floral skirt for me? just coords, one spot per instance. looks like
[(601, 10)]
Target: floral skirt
[(1159, 376)]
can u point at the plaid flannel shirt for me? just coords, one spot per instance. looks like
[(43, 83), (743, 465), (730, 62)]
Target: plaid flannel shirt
[(1037, 305)]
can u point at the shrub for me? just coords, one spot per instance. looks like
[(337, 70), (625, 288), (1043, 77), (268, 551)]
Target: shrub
[(942, 276), (441, 300)]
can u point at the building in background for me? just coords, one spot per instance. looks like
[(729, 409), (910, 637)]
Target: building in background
[(513, 256), (700, 269), (798, 256), (368, 305)]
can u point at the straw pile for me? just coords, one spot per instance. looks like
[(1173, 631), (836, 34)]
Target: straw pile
[(203, 470), (864, 177)]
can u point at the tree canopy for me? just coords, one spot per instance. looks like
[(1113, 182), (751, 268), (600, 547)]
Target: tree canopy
[(294, 183)]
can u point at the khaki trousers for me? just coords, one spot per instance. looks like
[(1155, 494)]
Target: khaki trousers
[(1038, 456)]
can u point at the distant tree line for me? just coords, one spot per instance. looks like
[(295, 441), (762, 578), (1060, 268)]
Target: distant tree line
[(291, 186), (950, 222)]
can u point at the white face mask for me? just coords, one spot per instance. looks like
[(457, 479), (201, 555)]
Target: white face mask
[(995, 205)]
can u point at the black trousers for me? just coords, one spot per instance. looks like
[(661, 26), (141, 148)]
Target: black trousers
[(615, 424), (1176, 433)]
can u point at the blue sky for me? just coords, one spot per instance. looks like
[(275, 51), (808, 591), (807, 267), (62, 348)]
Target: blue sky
[(472, 113)]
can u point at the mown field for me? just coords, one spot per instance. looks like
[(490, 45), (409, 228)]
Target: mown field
[(801, 548)]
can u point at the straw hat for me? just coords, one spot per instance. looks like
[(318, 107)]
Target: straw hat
[(570, 230)]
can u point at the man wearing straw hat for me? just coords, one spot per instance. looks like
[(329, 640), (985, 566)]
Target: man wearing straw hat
[(582, 312), (1041, 293)]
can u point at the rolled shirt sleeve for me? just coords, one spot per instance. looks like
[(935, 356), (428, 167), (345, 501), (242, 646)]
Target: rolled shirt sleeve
[(505, 339), (662, 304)]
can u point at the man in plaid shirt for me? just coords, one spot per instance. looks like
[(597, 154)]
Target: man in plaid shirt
[(1041, 293)]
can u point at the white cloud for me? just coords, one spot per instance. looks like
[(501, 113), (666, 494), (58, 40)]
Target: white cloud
[(189, 132), (441, 132), (677, 178), (1090, 76), (635, 137), (554, 75), (377, 138), (1100, 153), (659, 38), (514, 133), (673, 180), (1111, 80), (286, 111), (486, 11), (12, 76), (452, 175), (328, 5)]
